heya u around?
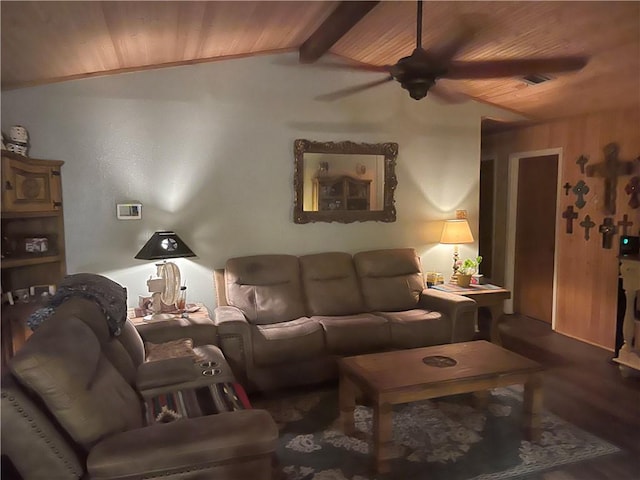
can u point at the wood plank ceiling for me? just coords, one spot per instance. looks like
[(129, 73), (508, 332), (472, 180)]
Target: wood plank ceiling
[(44, 42)]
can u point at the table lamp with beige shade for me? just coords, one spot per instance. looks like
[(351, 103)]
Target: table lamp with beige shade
[(454, 233)]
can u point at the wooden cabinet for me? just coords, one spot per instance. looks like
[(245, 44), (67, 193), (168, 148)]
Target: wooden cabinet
[(30, 185), (33, 251), (341, 193)]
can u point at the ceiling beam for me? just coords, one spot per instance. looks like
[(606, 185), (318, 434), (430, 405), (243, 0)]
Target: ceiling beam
[(337, 24)]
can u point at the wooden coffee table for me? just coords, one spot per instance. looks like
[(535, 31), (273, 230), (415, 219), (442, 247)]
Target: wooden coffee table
[(403, 376)]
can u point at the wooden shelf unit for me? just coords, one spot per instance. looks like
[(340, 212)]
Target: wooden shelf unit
[(31, 208)]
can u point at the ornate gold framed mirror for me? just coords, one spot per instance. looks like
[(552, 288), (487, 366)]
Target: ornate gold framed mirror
[(344, 181)]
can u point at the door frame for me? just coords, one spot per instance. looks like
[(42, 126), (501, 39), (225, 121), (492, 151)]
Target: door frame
[(512, 208), (494, 207)]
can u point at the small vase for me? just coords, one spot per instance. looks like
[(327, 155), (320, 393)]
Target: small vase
[(181, 303), (464, 280)]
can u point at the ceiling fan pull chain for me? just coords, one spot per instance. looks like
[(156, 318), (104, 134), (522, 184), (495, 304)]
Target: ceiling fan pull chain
[(419, 26)]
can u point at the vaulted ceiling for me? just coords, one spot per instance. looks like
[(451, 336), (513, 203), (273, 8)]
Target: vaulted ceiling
[(44, 42)]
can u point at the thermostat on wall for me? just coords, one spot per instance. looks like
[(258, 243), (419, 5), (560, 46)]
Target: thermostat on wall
[(129, 211)]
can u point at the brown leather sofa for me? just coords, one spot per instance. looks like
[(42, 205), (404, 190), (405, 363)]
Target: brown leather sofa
[(72, 407), (283, 320)]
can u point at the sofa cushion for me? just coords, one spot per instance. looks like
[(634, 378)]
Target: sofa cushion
[(65, 367), (295, 340), (391, 279), (125, 351), (417, 328), (265, 287), (355, 334), (330, 284)]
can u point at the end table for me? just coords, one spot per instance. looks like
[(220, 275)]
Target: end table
[(485, 295), (196, 324)]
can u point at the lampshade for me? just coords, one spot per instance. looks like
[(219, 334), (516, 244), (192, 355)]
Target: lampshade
[(456, 232), (163, 245)]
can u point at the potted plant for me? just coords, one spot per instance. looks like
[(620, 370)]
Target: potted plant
[(466, 268)]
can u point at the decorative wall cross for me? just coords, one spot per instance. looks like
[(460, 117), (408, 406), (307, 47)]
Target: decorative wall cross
[(570, 215), (609, 170), (580, 189), (582, 161), (624, 224), (633, 189), (567, 186), (587, 224), (608, 230)]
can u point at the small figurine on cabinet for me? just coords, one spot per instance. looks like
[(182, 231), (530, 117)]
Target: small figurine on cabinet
[(18, 140)]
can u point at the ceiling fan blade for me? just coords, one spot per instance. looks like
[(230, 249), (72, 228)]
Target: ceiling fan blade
[(443, 51), (329, 97), (354, 66), (512, 68), (336, 65), (447, 95)]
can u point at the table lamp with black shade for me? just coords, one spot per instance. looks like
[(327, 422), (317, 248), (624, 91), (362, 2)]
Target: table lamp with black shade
[(165, 287)]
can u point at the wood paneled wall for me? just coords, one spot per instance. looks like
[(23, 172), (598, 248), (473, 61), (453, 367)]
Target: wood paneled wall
[(587, 273)]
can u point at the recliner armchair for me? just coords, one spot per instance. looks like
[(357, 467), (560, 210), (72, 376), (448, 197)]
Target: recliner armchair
[(71, 408)]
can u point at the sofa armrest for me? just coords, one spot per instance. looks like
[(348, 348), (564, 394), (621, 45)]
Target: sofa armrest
[(181, 373), (186, 445), (461, 310), (165, 375), (230, 319), (234, 338)]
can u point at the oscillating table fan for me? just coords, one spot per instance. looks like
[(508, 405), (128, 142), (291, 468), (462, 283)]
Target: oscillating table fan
[(165, 287)]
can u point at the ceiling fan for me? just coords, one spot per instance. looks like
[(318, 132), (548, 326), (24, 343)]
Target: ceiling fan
[(419, 72)]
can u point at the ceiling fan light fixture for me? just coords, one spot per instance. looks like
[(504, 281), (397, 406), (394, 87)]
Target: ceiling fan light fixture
[(418, 88)]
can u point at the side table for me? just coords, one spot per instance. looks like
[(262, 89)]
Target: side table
[(487, 295), (196, 324)]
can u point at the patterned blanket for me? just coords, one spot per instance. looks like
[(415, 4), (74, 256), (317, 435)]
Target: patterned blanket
[(216, 398), (110, 296)]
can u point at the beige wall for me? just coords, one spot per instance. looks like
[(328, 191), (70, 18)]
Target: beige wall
[(208, 151), (587, 274)]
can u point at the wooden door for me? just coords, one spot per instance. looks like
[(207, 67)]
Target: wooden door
[(535, 237)]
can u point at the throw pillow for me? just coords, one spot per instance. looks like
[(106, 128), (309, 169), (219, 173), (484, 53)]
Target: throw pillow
[(182, 347)]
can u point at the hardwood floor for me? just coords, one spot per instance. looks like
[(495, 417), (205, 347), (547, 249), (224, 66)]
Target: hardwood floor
[(584, 388)]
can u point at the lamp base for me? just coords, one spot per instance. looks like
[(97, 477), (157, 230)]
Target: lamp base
[(454, 278), (156, 317)]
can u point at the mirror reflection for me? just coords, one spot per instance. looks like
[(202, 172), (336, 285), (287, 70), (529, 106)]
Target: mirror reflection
[(344, 181)]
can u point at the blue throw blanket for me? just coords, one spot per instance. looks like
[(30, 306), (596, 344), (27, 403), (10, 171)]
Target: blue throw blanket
[(110, 296)]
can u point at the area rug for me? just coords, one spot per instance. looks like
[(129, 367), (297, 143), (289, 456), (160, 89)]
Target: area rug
[(440, 439)]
